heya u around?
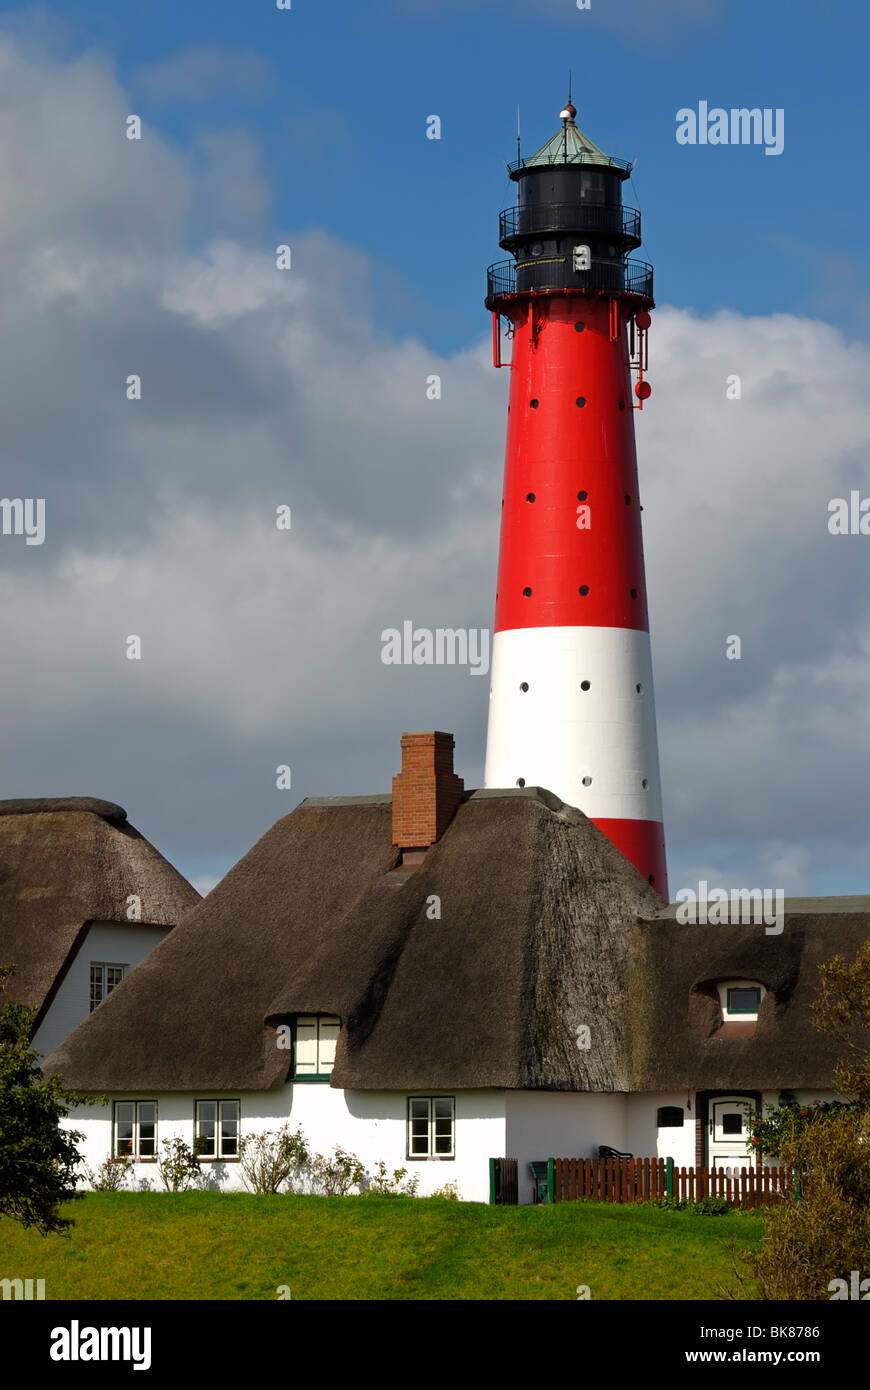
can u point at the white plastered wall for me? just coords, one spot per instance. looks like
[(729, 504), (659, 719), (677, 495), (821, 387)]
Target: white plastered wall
[(112, 943), (561, 1124), (647, 1140), (371, 1124)]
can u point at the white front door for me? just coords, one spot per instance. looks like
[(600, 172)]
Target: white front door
[(728, 1131)]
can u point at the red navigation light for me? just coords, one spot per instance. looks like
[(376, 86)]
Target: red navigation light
[(643, 390)]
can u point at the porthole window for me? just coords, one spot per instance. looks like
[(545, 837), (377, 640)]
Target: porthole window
[(583, 590), (587, 780), (536, 249), (521, 781), (627, 499), (524, 686), (638, 687), (527, 593), (578, 327), (634, 593), (534, 404), (584, 685), (581, 496), (581, 401), (622, 405), (530, 497)]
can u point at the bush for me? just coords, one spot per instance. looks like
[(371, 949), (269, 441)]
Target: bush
[(380, 1184), (825, 1233), (270, 1159), (708, 1206), (448, 1193), (179, 1166), (110, 1176), (38, 1159), (787, 1121), (338, 1175)]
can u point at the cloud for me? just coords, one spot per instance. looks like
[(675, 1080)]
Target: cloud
[(262, 647), (203, 72)]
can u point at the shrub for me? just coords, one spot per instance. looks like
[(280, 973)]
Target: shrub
[(379, 1183), (179, 1167), (784, 1122), (110, 1176), (337, 1175), (825, 1233), (448, 1193), (267, 1160), (707, 1206), (38, 1159)]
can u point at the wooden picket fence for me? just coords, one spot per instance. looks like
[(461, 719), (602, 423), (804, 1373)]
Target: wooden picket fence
[(647, 1179)]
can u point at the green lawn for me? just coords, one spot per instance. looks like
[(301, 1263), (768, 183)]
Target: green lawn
[(207, 1246)]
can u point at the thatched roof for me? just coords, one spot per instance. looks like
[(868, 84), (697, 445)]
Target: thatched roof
[(532, 941), (66, 862), (543, 927), (675, 1016)]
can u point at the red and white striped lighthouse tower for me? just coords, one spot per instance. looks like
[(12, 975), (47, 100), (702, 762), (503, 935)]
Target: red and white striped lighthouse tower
[(572, 692)]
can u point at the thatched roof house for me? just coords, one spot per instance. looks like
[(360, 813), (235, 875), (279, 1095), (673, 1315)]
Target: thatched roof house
[(65, 863), (467, 966)]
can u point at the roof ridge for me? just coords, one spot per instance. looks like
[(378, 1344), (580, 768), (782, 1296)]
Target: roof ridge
[(48, 805)]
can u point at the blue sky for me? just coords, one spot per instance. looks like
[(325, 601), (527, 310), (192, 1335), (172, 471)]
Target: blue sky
[(308, 127), (340, 102)]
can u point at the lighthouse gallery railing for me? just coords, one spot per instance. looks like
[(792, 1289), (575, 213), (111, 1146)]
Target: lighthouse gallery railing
[(623, 277), (567, 217)]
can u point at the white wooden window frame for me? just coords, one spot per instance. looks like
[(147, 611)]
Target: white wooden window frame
[(105, 988), (431, 1123), (220, 1103), (319, 1049), (135, 1139)]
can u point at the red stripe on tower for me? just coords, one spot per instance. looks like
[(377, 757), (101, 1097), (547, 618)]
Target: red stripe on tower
[(572, 692)]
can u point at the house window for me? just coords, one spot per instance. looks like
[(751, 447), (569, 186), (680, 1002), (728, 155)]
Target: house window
[(314, 1043), (135, 1129), (104, 978), (744, 999), (670, 1117), (217, 1128), (740, 1000), (431, 1127)]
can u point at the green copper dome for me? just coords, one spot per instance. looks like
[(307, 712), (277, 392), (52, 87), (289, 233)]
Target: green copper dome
[(570, 146)]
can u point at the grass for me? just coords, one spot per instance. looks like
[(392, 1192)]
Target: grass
[(236, 1246)]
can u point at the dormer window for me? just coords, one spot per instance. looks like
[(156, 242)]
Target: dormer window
[(314, 1041), (743, 999), (740, 1000)]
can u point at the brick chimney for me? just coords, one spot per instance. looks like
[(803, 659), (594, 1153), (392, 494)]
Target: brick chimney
[(426, 792)]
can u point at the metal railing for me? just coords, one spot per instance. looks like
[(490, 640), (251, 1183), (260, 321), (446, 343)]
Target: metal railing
[(621, 277), (569, 217), (575, 157)]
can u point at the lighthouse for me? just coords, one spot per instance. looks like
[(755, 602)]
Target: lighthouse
[(571, 702)]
